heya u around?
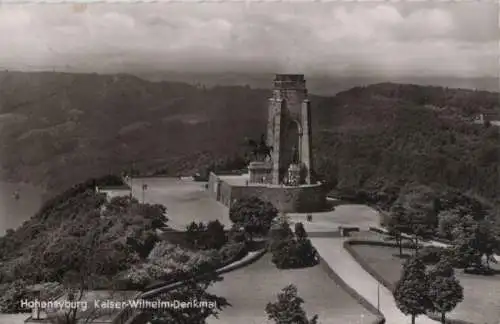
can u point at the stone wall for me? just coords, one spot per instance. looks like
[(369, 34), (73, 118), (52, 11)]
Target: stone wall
[(306, 198), (219, 190), (310, 198)]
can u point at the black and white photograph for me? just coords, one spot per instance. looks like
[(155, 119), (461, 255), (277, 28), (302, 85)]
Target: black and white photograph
[(250, 162)]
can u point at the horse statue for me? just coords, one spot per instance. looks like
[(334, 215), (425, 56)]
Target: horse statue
[(260, 151)]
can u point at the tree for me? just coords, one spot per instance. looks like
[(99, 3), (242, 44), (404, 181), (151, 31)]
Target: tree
[(411, 291), (253, 214), (421, 207), (236, 234), (300, 231), (194, 289), (206, 237), (306, 253), (419, 227), (143, 242), (193, 233), (489, 238), (447, 220), (215, 236), (398, 224), (279, 233), (445, 291), (288, 309), (289, 249), (11, 294), (473, 240), (78, 280)]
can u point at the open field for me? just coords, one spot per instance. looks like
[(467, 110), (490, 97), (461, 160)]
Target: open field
[(481, 303), (251, 288)]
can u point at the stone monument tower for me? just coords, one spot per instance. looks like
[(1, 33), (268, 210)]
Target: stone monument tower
[(281, 170), (289, 131)]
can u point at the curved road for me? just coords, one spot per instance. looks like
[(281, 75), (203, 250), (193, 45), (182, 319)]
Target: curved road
[(333, 252)]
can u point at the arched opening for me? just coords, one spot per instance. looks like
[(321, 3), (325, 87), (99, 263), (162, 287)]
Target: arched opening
[(290, 150)]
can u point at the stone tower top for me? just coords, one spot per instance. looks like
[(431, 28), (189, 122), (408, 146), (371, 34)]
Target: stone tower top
[(289, 81)]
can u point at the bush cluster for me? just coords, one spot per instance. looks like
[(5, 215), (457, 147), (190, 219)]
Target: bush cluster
[(432, 254), (291, 250), (206, 236)]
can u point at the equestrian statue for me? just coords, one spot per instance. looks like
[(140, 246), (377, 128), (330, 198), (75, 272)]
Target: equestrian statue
[(260, 151)]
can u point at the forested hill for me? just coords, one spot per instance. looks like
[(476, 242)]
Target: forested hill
[(59, 129), (384, 136)]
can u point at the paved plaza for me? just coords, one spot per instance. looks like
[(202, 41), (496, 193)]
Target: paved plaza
[(186, 200)]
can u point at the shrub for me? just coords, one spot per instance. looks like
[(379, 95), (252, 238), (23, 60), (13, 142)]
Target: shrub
[(236, 234), (306, 254), (289, 250), (284, 254), (206, 237), (447, 220), (194, 233), (215, 236), (232, 251), (133, 278), (11, 294), (168, 262), (279, 232), (300, 231), (431, 254)]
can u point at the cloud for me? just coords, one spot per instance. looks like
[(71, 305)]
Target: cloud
[(452, 39)]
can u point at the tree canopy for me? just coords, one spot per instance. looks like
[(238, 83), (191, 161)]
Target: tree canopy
[(411, 291), (288, 308), (253, 214), (445, 291)]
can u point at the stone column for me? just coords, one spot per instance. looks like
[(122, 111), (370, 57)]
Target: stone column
[(276, 155), (305, 156)]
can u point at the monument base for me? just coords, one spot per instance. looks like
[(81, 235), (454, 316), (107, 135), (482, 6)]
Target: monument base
[(260, 172), (307, 198)]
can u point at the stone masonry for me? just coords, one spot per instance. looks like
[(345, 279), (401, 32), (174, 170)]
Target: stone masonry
[(289, 127), (284, 178)]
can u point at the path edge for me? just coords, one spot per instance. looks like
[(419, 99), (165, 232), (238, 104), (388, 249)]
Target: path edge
[(355, 255), (380, 319)]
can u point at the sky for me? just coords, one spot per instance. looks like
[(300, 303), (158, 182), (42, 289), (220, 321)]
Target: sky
[(419, 39)]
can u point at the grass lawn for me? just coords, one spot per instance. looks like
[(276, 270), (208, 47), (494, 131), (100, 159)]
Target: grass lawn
[(251, 288), (481, 303)]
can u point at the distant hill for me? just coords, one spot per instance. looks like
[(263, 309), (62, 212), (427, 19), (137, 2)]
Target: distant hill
[(58, 129), (320, 85)]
